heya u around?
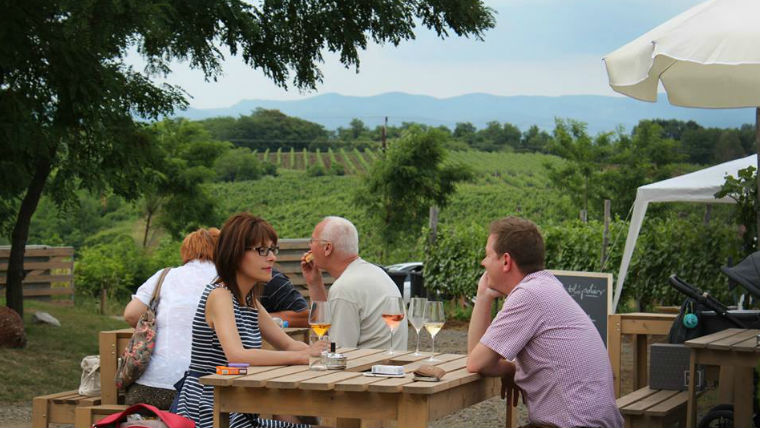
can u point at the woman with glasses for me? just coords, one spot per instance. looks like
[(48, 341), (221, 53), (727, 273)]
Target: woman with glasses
[(230, 323)]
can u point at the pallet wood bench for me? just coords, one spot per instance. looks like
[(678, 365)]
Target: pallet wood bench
[(648, 407), (71, 408), (85, 416), (63, 407), (59, 408)]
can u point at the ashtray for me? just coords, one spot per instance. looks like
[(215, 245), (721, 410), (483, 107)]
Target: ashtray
[(336, 361)]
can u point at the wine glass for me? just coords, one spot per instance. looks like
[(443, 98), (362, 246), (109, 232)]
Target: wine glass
[(416, 315), (393, 313), (320, 322), (434, 319)]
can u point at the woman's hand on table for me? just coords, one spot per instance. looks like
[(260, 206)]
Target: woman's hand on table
[(316, 348)]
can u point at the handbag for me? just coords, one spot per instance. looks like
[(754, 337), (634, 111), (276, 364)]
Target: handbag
[(151, 417), (90, 382), (136, 356)]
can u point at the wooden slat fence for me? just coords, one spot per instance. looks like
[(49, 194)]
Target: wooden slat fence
[(289, 263), (49, 270)]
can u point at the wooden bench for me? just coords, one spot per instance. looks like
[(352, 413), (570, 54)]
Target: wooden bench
[(654, 408), (59, 408), (69, 407)]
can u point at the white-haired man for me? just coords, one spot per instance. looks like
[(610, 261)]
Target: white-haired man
[(357, 296)]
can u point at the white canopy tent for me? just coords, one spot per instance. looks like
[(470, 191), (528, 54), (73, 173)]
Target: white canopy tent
[(698, 186)]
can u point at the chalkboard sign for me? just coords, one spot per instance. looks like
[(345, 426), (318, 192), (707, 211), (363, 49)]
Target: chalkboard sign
[(593, 292)]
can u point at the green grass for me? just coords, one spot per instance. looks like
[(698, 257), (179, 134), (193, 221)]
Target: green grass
[(50, 361)]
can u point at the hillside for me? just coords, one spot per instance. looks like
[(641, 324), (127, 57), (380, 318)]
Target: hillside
[(293, 202), (602, 113)]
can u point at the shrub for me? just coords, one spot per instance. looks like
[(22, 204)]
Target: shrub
[(316, 170), (666, 246), (112, 266)]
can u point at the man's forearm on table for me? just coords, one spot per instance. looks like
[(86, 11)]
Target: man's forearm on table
[(479, 320)]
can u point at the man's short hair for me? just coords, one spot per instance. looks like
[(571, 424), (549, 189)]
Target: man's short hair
[(342, 233), (522, 240)]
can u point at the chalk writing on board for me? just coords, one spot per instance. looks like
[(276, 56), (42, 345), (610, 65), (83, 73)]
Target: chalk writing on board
[(581, 292)]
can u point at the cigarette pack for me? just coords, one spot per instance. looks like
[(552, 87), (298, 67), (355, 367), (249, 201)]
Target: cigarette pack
[(224, 370)]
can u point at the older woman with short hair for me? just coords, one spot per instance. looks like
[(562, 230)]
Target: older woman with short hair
[(179, 296)]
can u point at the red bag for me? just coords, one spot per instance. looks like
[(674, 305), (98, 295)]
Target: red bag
[(171, 420)]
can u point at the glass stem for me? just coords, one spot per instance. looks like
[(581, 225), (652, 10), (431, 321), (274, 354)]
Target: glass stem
[(433, 340), (417, 351), (390, 347)]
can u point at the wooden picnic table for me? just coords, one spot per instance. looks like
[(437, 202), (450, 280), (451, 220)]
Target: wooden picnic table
[(736, 352), (348, 395)]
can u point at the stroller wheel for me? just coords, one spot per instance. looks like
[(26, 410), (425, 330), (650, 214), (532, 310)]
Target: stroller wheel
[(720, 416)]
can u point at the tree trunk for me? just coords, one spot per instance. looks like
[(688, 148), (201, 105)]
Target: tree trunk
[(147, 228), (14, 293)]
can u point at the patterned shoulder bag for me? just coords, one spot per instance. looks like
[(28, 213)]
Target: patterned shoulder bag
[(136, 356)]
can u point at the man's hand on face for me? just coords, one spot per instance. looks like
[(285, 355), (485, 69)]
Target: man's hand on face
[(485, 291), (310, 271)]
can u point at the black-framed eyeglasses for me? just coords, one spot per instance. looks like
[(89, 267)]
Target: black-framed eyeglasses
[(264, 251)]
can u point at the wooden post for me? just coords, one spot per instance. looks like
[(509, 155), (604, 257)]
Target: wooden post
[(605, 233), (433, 224), (708, 212), (102, 301), (757, 171)]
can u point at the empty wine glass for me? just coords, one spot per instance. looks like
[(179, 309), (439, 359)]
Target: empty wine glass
[(320, 322), (416, 314), (434, 319), (393, 313)]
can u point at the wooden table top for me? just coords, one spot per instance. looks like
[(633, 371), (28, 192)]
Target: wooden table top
[(352, 379), (732, 339)]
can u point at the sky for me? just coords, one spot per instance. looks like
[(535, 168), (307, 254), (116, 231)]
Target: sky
[(538, 47)]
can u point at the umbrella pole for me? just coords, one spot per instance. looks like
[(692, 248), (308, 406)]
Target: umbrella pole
[(757, 172)]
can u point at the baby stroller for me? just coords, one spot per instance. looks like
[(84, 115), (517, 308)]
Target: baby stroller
[(702, 314)]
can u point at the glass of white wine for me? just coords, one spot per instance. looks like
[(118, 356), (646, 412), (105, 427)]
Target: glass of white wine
[(416, 314), (433, 321), (393, 314), (320, 322)]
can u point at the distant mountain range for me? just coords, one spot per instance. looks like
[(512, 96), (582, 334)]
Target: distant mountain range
[(601, 113)]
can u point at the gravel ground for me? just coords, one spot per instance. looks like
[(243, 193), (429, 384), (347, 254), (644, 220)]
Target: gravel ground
[(452, 339)]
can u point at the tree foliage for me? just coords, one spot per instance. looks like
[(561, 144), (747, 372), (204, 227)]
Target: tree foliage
[(68, 100), (583, 170), (173, 195), (267, 129), (412, 176), (743, 190)]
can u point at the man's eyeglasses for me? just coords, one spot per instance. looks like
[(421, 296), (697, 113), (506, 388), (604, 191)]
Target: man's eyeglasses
[(264, 251), (313, 240)]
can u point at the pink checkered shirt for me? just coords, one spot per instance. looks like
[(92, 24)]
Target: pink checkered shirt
[(562, 364)]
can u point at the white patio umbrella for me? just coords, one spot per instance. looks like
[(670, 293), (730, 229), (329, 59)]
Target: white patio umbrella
[(708, 56)]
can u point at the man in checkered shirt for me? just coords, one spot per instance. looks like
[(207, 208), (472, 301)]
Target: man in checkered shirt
[(541, 343)]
